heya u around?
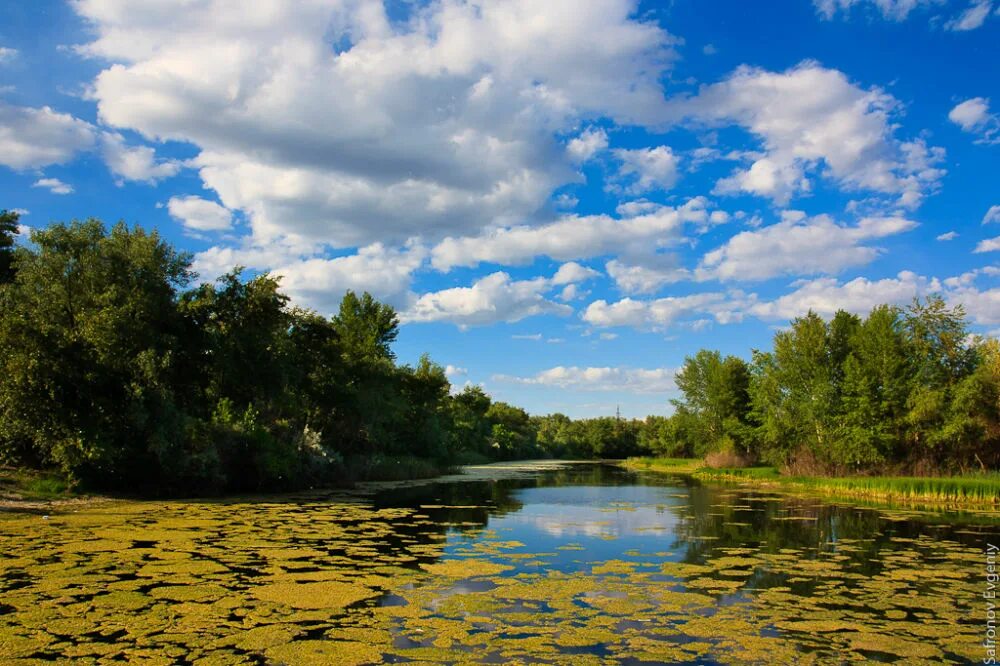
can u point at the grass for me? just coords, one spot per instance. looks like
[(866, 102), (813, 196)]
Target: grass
[(670, 465), (31, 485), (973, 489)]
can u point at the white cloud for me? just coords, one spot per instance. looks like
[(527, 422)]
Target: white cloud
[(572, 272), (709, 49), (814, 122), (645, 169), (54, 185), (982, 305), (641, 279), (571, 292), (973, 17), (455, 371), (320, 283), (894, 10), (590, 142), (7, 54), (572, 237), (608, 336), (988, 245), (798, 245), (628, 380), (32, 138), (821, 295), (992, 215), (136, 163), (527, 336), (951, 235), (491, 299), (974, 116), (200, 214), (662, 313), (334, 123), (827, 295)]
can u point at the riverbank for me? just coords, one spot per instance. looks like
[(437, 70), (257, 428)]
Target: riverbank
[(981, 490), (37, 491)]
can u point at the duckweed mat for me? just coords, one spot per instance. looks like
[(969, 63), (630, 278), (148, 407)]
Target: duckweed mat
[(594, 567)]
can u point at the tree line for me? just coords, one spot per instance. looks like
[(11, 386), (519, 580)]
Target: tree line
[(121, 372), (903, 390)]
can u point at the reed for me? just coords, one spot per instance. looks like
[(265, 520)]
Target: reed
[(971, 489)]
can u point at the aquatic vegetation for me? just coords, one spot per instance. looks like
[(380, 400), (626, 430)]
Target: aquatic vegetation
[(983, 489), (337, 579)]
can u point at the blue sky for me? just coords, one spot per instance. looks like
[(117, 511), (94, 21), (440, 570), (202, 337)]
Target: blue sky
[(562, 199)]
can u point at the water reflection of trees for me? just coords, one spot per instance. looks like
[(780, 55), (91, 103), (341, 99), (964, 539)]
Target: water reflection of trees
[(720, 517)]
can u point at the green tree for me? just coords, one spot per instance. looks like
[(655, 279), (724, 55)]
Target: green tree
[(936, 336), (793, 393), (8, 234), (87, 347), (876, 384), (716, 399), (366, 327)]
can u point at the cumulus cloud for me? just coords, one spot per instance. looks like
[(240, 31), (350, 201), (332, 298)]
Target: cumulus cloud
[(442, 121), (31, 138), (974, 116), (662, 313), (645, 169), (491, 299), (320, 283), (947, 236), (199, 214), (135, 163), (641, 279), (590, 142), (54, 185), (798, 245), (7, 54), (627, 380), (572, 237), (992, 215), (823, 295), (827, 295), (572, 272), (814, 122)]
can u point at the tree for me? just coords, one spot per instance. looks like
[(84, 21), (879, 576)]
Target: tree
[(876, 383), (794, 392), (87, 347), (470, 426), (366, 327), (936, 336), (716, 398), (8, 233)]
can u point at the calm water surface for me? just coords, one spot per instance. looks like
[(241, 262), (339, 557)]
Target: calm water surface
[(584, 564)]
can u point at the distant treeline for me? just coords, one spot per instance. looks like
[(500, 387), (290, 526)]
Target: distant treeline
[(900, 391), (119, 373)]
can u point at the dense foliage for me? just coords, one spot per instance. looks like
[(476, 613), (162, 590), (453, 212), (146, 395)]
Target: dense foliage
[(900, 390), (118, 371), (115, 370)]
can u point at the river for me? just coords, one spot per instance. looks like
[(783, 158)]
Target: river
[(518, 563)]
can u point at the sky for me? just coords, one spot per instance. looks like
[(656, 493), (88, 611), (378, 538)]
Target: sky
[(562, 199)]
